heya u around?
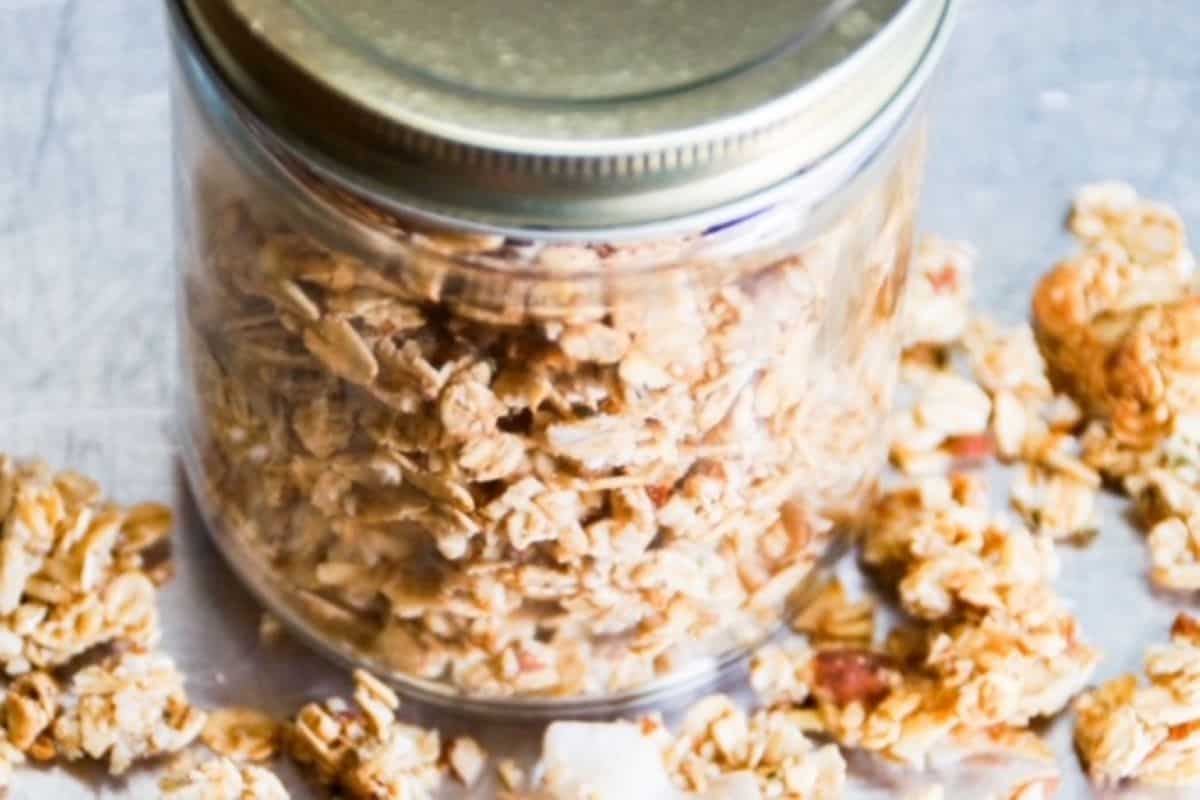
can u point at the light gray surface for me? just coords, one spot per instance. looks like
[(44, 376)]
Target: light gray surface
[(1037, 96)]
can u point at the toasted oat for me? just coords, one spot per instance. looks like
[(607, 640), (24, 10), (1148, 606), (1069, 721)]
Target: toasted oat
[(717, 739), (1054, 491), (998, 649), (829, 616), (510, 773), (1006, 362), (10, 758), (1113, 321), (129, 708), (1041, 788), (243, 734), (1161, 478), (72, 575), (366, 752), (1147, 733), (947, 425), (938, 293), (221, 779), (30, 706), (719, 753), (1175, 553), (922, 715), (948, 555), (270, 629), (578, 761), (467, 759)]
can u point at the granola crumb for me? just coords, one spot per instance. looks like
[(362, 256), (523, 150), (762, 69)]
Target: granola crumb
[(221, 779), (510, 773), (242, 734), (830, 617), (467, 759), (270, 629), (1146, 733), (364, 751), (128, 708), (71, 571), (977, 586)]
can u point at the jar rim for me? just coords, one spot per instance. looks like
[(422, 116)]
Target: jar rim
[(706, 173)]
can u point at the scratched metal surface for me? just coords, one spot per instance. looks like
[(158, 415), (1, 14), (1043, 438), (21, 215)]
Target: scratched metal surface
[(1036, 97)]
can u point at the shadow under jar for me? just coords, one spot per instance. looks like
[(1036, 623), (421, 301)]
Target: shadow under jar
[(534, 361)]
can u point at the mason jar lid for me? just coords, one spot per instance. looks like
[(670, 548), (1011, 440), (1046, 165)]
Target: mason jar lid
[(552, 114)]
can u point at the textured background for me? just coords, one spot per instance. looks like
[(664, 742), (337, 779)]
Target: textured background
[(1036, 97)]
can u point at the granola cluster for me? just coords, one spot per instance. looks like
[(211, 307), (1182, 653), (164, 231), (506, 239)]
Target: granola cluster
[(541, 469), (719, 753), (363, 751), (717, 739), (980, 389), (78, 578), (997, 649), (73, 574), (1118, 322), (131, 707), (1148, 733), (221, 779), (1115, 321), (242, 734)]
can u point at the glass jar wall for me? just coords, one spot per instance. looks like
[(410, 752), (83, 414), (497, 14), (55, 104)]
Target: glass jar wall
[(526, 468)]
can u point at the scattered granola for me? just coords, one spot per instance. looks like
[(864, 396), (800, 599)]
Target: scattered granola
[(128, 708), (466, 759), (221, 779), (938, 295), (512, 777), (364, 751), (1006, 362), (1175, 553), (30, 706), (948, 556), (1115, 320), (270, 629), (1148, 733), (996, 650), (243, 734), (76, 577), (718, 739), (1053, 489), (72, 572), (828, 616)]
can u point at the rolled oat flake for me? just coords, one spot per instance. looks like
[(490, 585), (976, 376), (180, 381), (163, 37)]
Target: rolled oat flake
[(548, 115)]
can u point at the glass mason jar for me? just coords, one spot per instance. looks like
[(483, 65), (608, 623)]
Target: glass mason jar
[(554, 390)]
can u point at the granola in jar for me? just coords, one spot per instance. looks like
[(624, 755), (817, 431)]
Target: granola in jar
[(550, 437)]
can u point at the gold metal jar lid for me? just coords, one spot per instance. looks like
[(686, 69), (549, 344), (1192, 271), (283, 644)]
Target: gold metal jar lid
[(575, 114)]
